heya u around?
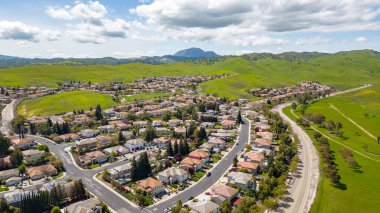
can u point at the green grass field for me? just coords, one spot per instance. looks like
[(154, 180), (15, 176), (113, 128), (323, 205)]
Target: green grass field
[(342, 70), (63, 102), (145, 96), (363, 191)]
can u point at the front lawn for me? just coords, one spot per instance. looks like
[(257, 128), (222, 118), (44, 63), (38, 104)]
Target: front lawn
[(58, 175), (93, 166)]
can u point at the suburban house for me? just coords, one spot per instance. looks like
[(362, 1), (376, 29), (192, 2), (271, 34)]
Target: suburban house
[(172, 175), (69, 137), (249, 166), (104, 140), (241, 179), (157, 123), (207, 125), (217, 142), (32, 154), (39, 172), (204, 207), (151, 185), (122, 171), (107, 129), (91, 205), (227, 192), (161, 141), (141, 124), (135, 144), (180, 130), (9, 173), (89, 143), (127, 134), (162, 131), (265, 135), (119, 150), (254, 157), (263, 143), (88, 133), (93, 158), (228, 124), (13, 181), (200, 155), (175, 122), (207, 147), (22, 143), (191, 164)]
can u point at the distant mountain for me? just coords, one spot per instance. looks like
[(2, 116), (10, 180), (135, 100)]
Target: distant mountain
[(195, 53), (7, 57)]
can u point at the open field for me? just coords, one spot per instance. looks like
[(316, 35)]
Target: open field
[(361, 191), (342, 70), (145, 96), (63, 102)]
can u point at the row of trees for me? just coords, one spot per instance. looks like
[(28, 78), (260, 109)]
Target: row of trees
[(327, 155), (182, 148), (141, 167), (42, 201)]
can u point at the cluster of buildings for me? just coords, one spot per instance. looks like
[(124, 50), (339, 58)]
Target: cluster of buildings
[(34, 159), (292, 91), (242, 177)]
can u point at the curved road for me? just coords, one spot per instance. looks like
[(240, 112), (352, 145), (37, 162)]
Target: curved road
[(304, 187), (109, 197)]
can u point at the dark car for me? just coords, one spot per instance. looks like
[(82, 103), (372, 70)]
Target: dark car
[(190, 198), (208, 174)]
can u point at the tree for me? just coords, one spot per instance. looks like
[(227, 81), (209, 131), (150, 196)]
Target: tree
[(21, 169), (55, 209), (294, 105), (169, 149), (150, 134), (121, 137), (5, 143), (43, 148), (176, 148), (235, 161), (16, 157), (186, 147), (18, 125), (106, 175), (239, 119), (98, 113), (202, 134), (33, 128), (177, 208), (225, 207), (134, 174)]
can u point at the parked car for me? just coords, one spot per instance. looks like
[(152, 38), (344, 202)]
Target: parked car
[(208, 174)]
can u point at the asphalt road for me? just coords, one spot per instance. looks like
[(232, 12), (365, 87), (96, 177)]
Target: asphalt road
[(7, 116), (118, 204), (304, 185)]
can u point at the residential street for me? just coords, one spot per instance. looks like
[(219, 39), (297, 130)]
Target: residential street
[(110, 198)]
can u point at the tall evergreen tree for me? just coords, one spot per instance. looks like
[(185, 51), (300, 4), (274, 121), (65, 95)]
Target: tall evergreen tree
[(134, 172), (239, 119), (98, 113), (181, 148), (169, 148), (176, 148), (186, 147)]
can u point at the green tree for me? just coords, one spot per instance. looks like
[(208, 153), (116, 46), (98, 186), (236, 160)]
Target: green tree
[(239, 119), (169, 149), (235, 161), (5, 143), (294, 105), (18, 125), (134, 171), (178, 207), (225, 207), (16, 157), (176, 148), (186, 147), (22, 169), (98, 113), (121, 138)]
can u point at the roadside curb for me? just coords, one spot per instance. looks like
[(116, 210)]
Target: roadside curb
[(114, 192)]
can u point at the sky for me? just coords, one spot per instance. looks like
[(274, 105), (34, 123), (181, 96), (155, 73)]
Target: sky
[(133, 28)]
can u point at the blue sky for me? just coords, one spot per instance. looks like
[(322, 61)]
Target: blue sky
[(133, 28)]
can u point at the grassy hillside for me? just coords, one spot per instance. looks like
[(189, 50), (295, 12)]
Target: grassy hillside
[(362, 190), (63, 102), (342, 70)]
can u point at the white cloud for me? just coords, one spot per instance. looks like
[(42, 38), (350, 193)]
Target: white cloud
[(89, 22), (23, 44), (15, 30), (361, 39), (233, 21), (318, 40)]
